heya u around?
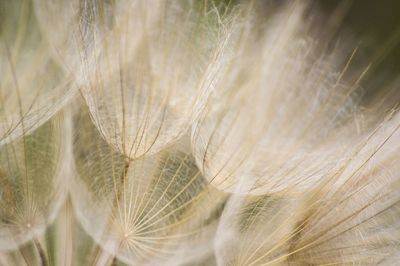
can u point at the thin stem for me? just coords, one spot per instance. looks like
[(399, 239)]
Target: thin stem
[(42, 253)]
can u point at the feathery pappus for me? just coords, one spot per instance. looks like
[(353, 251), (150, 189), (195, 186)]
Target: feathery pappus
[(194, 132)]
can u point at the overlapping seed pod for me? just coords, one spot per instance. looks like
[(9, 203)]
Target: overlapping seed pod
[(145, 211), (144, 79), (274, 119), (355, 218), (31, 184), (280, 117), (32, 87)]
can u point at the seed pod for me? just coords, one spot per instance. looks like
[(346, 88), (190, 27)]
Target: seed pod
[(143, 211), (280, 118), (148, 88), (32, 87), (355, 218), (31, 184), (144, 79)]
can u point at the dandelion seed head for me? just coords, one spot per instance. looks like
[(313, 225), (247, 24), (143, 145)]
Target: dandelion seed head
[(204, 133)]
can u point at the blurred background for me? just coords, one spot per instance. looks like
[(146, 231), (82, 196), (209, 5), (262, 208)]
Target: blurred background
[(375, 27)]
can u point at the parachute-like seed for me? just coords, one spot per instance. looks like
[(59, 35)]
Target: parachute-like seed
[(143, 211), (144, 79), (286, 162), (355, 218), (350, 219), (280, 118), (32, 87), (31, 187)]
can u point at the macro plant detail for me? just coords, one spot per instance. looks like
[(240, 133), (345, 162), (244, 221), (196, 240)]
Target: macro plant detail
[(210, 132)]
